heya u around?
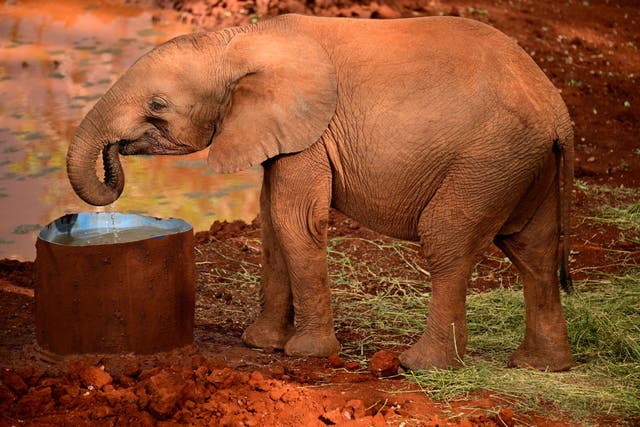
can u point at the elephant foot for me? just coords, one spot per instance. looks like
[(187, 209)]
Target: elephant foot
[(268, 335), (555, 360), (312, 345), (426, 358)]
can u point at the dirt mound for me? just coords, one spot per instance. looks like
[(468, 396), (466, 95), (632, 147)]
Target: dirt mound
[(222, 230), (207, 392)]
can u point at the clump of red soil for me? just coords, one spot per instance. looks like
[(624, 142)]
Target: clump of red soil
[(384, 364), (208, 392), (222, 230)]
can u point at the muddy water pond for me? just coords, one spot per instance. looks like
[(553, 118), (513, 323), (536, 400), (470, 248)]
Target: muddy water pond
[(56, 60)]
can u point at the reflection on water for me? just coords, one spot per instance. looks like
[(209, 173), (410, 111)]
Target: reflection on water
[(55, 62)]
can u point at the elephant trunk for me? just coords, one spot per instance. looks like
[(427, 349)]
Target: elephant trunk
[(82, 156)]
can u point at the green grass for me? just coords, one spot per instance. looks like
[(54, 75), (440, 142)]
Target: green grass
[(603, 317), (626, 218), (604, 336), (614, 206)]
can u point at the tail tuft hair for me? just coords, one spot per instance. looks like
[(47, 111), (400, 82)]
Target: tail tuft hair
[(564, 157), (565, 276)]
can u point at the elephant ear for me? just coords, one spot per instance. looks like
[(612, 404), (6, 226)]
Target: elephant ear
[(283, 96)]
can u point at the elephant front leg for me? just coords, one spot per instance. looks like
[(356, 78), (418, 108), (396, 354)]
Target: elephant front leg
[(300, 194), (314, 335), (296, 308), (274, 327)]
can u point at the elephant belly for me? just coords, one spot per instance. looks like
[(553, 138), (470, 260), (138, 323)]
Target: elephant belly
[(390, 206), (394, 224), (383, 186)]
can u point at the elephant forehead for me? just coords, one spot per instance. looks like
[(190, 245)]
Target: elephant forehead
[(162, 66), (141, 83)]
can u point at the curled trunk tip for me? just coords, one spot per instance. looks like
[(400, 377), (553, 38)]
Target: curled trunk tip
[(81, 170)]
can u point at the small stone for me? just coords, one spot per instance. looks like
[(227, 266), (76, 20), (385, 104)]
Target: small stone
[(335, 361), (125, 381), (290, 396), (131, 369), (122, 395), (165, 391), (384, 364), (256, 380), (38, 398), (276, 393), (100, 412), (356, 408), (90, 375), (334, 416), (30, 375)]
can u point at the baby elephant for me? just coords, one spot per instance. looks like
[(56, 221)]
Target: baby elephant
[(439, 130)]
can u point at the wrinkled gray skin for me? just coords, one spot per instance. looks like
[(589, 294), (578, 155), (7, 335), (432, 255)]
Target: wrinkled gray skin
[(440, 130)]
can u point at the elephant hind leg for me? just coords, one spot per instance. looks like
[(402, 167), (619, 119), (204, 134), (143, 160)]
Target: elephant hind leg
[(444, 341), (455, 228), (533, 250)]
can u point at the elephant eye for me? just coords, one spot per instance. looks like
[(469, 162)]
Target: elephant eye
[(157, 105)]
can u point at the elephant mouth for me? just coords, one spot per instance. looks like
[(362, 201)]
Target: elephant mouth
[(153, 142), (148, 143), (130, 148)]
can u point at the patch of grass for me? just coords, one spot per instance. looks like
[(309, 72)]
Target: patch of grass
[(624, 217), (603, 324), (376, 308), (226, 292), (614, 207), (605, 320), (620, 193)]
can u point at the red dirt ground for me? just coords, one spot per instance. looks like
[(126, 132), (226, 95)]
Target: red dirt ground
[(590, 51)]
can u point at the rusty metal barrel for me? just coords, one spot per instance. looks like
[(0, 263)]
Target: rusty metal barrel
[(114, 283)]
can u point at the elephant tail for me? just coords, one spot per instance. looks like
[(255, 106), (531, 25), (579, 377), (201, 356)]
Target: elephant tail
[(563, 146)]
